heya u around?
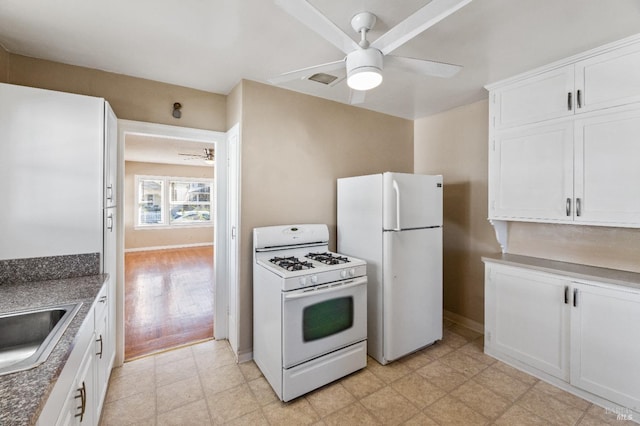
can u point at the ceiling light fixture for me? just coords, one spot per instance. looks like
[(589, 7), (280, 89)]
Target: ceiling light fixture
[(364, 69)]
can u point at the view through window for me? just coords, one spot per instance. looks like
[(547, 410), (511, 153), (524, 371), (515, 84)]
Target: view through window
[(173, 201)]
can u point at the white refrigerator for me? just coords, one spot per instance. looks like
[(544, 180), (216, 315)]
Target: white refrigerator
[(394, 222)]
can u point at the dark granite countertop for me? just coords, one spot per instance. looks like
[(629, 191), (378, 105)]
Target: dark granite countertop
[(23, 394), (571, 270)]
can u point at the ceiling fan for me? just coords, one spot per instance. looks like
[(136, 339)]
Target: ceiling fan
[(208, 156), (365, 61)]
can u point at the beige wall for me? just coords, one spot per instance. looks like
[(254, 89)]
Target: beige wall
[(131, 98), (454, 144), (616, 248), (4, 65), (234, 106), (149, 238), (294, 147)]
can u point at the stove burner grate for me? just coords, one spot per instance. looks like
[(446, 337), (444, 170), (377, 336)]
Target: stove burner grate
[(328, 258), (291, 263)]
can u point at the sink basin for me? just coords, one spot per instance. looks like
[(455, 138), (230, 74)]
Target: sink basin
[(28, 337)]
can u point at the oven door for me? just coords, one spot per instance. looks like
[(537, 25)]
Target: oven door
[(322, 319)]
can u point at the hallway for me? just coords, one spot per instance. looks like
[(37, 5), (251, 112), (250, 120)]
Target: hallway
[(168, 299)]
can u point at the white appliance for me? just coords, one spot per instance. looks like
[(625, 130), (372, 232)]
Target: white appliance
[(309, 309), (394, 222)]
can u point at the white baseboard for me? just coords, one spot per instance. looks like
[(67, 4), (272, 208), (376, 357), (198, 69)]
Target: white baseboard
[(464, 321), (130, 250)]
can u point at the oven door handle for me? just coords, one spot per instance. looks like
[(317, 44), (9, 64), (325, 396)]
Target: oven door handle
[(308, 293)]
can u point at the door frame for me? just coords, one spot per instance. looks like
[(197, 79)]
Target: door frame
[(219, 139)]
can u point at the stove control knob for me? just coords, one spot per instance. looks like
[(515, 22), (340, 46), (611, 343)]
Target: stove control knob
[(343, 274), (314, 279), (303, 281), (352, 272)]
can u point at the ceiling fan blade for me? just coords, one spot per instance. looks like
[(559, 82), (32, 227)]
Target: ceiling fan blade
[(306, 72), (357, 96), (312, 18), (421, 66), (427, 16)]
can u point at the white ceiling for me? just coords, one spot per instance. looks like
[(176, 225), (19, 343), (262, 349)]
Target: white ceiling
[(151, 149), (212, 44)]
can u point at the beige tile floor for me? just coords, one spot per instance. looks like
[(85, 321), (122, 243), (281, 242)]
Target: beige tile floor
[(450, 383)]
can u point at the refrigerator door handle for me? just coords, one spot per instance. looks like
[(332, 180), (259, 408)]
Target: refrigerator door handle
[(396, 188)]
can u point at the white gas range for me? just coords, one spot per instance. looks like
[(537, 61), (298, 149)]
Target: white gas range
[(310, 309)]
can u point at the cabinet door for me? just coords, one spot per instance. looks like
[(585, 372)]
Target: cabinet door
[(110, 156), (526, 317), (609, 79), (531, 173), (605, 343), (545, 96), (51, 173), (79, 408), (102, 355), (607, 174)]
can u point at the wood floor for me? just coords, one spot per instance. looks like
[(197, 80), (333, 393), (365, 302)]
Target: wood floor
[(168, 299)]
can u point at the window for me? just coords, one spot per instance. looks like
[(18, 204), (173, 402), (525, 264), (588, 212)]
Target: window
[(190, 202), (150, 193), (173, 202)]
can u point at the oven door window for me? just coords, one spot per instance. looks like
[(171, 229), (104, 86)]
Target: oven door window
[(327, 318), (317, 322)]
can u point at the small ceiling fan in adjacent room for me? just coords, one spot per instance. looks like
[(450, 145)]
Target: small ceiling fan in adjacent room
[(366, 60), (207, 156)]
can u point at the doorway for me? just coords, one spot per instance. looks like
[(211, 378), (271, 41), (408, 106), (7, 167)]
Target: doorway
[(168, 299), (172, 279)]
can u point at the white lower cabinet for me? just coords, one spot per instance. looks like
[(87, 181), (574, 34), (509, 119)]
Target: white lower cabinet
[(526, 318), (78, 395), (79, 407), (584, 333), (605, 343)]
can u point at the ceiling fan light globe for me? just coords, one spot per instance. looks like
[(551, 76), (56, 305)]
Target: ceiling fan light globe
[(364, 78), (364, 69)]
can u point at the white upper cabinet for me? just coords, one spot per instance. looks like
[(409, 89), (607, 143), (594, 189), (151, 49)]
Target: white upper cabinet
[(609, 79), (607, 169), (51, 148), (564, 144), (605, 79), (545, 96), (531, 171), (110, 156)]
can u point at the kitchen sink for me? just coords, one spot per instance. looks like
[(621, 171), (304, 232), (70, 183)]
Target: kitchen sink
[(28, 337)]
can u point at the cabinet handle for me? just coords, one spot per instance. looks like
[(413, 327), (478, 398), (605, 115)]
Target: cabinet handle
[(579, 98), (575, 297), (103, 299), (578, 207), (100, 353), (110, 222), (569, 101), (83, 401), (568, 206), (566, 294), (109, 192)]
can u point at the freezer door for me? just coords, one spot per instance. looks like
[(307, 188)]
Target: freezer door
[(412, 291), (411, 201)]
